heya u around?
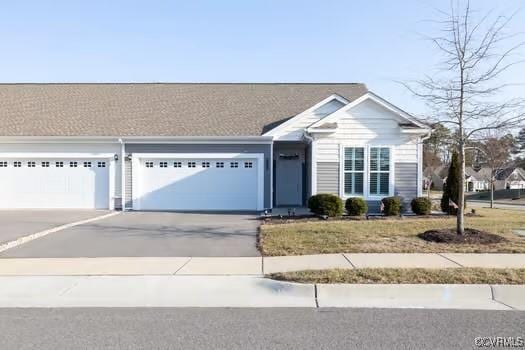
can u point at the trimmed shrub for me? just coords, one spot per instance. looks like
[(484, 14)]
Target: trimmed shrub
[(392, 206), (421, 205), (326, 204), (356, 206)]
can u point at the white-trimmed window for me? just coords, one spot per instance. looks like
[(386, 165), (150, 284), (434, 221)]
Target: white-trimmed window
[(234, 164), (205, 164), (379, 171), (149, 164), (248, 164), (177, 164), (87, 164), (219, 164), (163, 164), (3, 164), (45, 164), (59, 164), (31, 164), (192, 164), (101, 164), (354, 171), (73, 164)]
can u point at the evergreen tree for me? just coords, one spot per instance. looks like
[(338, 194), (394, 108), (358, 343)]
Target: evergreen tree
[(451, 187)]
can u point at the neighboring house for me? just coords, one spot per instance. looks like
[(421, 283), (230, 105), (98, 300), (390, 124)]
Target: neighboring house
[(436, 176), (510, 178), (474, 182), (504, 178), (202, 146)]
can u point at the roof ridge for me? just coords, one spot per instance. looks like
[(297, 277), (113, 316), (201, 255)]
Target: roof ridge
[(180, 83)]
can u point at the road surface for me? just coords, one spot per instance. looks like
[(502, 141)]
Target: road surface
[(184, 328)]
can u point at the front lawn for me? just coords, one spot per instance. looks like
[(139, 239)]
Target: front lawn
[(409, 276), (389, 236)]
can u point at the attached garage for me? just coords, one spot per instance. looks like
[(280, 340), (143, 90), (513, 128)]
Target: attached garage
[(198, 182), (47, 181)]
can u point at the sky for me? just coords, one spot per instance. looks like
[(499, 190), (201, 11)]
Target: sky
[(377, 42)]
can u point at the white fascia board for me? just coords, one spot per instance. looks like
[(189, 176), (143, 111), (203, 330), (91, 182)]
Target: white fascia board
[(197, 155), (280, 127), (43, 155), (138, 139), (380, 101), (200, 139)]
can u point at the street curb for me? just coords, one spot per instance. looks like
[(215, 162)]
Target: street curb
[(432, 296), (33, 236)]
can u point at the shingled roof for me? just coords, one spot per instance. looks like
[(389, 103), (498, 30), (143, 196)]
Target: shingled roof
[(157, 109)]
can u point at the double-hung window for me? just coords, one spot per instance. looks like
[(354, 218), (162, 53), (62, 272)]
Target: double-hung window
[(379, 171), (354, 170)]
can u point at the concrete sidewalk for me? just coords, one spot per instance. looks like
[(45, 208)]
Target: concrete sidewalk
[(256, 266), (244, 291)]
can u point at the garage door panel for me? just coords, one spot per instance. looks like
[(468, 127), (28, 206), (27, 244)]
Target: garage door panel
[(198, 188), (54, 183)]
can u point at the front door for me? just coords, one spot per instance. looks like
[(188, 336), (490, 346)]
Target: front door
[(289, 181)]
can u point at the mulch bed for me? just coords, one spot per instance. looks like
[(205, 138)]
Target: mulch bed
[(305, 218), (471, 236)]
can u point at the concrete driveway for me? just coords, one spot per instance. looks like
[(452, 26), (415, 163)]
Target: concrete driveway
[(19, 223), (149, 234)]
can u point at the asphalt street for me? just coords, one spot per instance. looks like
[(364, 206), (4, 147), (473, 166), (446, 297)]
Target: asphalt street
[(199, 328)]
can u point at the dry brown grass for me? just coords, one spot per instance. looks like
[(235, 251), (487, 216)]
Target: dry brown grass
[(389, 236), (396, 276)]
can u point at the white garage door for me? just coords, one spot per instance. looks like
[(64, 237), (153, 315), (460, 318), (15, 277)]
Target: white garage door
[(198, 184), (54, 183)]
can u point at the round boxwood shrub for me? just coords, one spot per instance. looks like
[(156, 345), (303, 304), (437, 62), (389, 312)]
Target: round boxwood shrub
[(325, 204), (392, 206), (356, 206), (421, 205)]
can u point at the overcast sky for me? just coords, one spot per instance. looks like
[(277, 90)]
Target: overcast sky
[(375, 42)]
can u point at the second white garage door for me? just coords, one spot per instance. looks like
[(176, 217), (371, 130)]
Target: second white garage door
[(197, 184)]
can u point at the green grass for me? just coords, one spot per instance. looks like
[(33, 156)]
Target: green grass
[(408, 276), (388, 236)]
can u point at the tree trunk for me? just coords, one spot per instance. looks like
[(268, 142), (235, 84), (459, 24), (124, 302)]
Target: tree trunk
[(491, 194), (460, 223)]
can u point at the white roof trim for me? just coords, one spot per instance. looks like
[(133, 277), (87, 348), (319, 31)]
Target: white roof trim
[(380, 101), (292, 120)]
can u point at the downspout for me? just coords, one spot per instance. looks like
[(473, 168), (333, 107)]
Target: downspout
[(420, 165), (122, 175), (313, 163)]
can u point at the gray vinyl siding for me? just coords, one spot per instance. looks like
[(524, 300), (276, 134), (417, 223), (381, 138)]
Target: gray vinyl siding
[(328, 177), (132, 148), (406, 182)]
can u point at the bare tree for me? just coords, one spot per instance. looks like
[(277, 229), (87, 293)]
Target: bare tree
[(465, 91), (495, 154)]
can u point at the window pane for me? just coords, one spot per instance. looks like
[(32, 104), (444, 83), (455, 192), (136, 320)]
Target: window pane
[(385, 159), (373, 183), (348, 182), (349, 156), (358, 183), (359, 159), (374, 156), (384, 183)]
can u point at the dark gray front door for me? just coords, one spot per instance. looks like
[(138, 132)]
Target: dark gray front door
[(289, 182)]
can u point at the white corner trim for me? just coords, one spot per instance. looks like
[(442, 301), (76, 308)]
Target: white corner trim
[(292, 120)]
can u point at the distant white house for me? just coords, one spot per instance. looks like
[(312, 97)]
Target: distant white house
[(505, 178)]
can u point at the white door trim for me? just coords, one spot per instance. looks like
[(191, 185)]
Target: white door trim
[(137, 176)]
